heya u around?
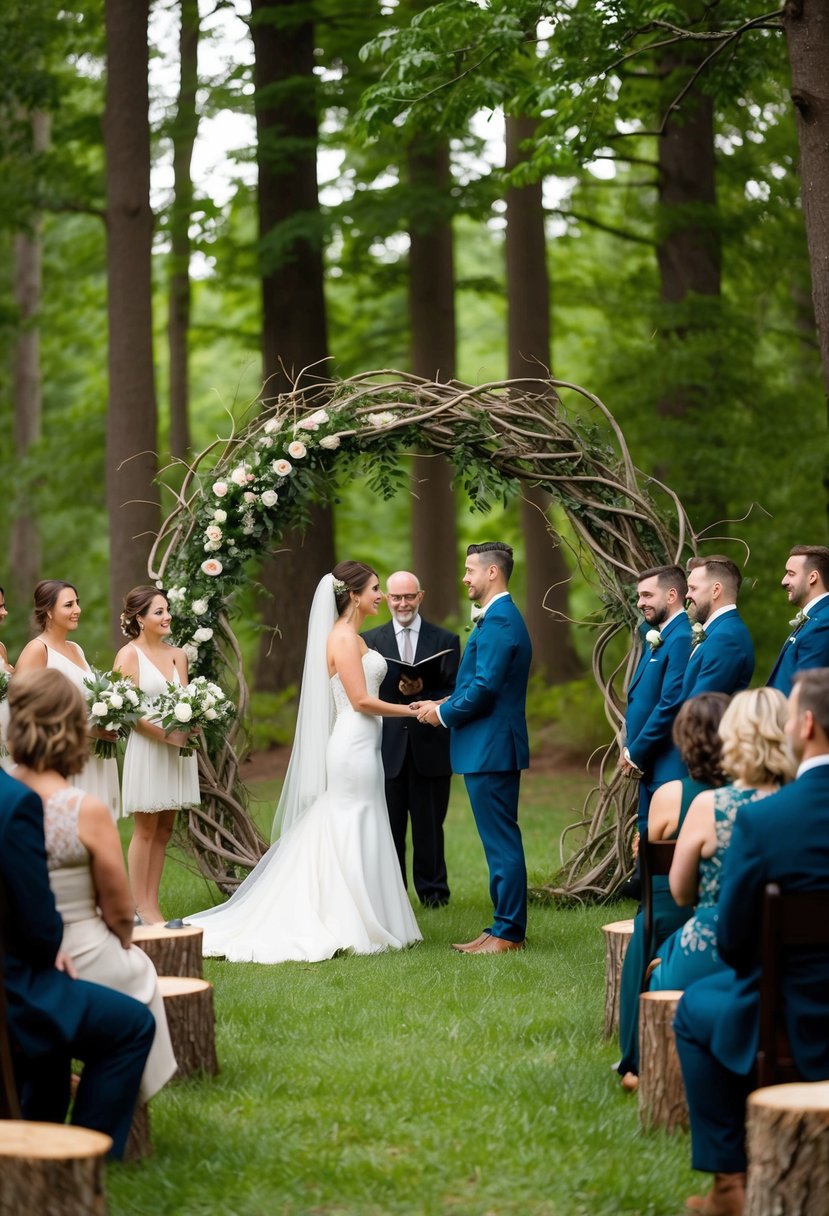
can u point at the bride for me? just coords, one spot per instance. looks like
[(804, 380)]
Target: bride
[(331, 880)]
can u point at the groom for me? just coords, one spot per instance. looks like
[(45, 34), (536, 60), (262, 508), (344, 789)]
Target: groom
[(488, 741)]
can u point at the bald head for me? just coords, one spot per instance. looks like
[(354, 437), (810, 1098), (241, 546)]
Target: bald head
[(404, 596)]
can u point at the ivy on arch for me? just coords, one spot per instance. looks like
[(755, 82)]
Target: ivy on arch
[(241, 493)]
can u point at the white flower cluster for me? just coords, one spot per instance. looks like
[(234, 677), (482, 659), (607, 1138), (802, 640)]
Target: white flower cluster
[(115, 705), (200, 705)]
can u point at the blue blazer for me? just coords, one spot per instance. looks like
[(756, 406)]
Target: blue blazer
[(784, 839), (806, 646), (487, 711), (654, 699), (42, 1008), (724, 661)]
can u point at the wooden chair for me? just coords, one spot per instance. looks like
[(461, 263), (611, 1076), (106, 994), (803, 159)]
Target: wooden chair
[(791, 920), (655, 857)]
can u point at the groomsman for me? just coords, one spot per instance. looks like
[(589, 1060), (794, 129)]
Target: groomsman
[(722, 654), (807, 586), (655, 692), (784, 839), (415, 757)]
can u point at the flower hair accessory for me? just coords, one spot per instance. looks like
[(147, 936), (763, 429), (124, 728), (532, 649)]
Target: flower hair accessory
[(339, 586), (125, 621), (654, 639)]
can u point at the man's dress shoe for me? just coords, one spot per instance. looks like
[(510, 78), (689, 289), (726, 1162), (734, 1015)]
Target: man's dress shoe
[(465, 947), (495, 945), (726, 1198)]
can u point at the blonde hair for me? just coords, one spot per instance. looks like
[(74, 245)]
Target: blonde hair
[(753, 733), (48, 726)]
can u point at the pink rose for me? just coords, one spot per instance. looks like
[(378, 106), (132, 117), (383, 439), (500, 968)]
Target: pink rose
[(212, 567)]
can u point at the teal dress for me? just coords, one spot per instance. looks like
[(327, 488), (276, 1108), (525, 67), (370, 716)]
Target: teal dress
[(667, 916), (691, 951)]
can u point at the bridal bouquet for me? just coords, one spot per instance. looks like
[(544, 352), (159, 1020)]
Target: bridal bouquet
[(115, 704), (200, 706)]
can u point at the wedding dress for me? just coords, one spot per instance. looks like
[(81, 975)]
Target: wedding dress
[(331, 881)]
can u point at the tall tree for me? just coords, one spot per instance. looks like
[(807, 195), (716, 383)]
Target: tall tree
[(131, 463), (294, 329)]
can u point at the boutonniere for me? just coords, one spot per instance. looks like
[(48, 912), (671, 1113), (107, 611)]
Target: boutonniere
[(476, 613), (798, 619), (654, 639), (698, 634)]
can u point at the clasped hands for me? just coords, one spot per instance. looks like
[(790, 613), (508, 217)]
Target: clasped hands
[(427, 711)]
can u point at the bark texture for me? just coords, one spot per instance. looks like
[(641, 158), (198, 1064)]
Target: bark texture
[(662, 1100), (617, 937), (787, 1130), (188, 1004), (173, 951), (52, 1169)]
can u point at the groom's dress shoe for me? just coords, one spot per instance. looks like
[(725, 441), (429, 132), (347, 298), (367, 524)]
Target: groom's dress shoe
[(495, 945), (465, 947)]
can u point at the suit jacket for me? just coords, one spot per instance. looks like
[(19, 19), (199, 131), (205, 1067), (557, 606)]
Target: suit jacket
[(42, 1010), (806, 646), (784, 839), (429, 747), (654, 699), (723, 662), (486, 713)]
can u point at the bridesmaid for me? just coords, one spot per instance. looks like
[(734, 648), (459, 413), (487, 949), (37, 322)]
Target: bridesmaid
[(57, 611), (158, 780)]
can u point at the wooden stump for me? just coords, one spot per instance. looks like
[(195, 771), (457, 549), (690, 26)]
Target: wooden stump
[(617, 937), (51, 1169), (188, 1003), (139, 1145), (661, 1092), (173, 951), (788, 1150)]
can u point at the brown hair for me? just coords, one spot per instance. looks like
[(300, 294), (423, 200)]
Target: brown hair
[(494, 553), (48, 722), (46, 595), (667, 577), (817, 558), (753, 732), (696, 734), (813, 694), (355, 575), (719, 567), (137, 604)]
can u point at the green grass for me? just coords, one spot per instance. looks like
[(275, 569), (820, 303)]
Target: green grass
[(420, 1082)]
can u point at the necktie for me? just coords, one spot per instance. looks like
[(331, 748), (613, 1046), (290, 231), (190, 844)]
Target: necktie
[(406, 648)]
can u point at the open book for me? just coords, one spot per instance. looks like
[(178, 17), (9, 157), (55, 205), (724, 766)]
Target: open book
[(424, 669)]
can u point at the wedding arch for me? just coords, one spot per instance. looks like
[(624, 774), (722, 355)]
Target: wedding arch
[(241, 493)]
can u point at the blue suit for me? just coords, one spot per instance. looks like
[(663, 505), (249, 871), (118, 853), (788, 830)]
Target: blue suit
[(806, 646), (723, 661), (782, 839), (52, 1018), (488, 744), (653, 701)]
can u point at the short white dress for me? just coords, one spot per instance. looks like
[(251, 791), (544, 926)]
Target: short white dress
[(99, 777), (156, 776)]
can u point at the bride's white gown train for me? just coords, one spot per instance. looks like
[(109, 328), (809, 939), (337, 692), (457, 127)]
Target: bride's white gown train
[(332, 881)]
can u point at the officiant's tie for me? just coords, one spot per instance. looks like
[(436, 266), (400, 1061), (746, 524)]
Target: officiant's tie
[(406, 652)]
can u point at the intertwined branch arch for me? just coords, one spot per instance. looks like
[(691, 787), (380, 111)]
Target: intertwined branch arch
[(240, 494)]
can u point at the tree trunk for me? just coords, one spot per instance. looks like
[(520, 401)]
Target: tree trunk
[(24, 543), (132, 497), (528, 340), (183, 135), (617, 937), (433, 338), (662, 1101), (294, 330), (787, 1133)]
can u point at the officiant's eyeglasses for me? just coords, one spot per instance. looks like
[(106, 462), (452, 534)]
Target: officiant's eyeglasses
[(409, 598)]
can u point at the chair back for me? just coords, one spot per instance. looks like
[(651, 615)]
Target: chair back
[(655, 857), (9, 1105), (790, 920)]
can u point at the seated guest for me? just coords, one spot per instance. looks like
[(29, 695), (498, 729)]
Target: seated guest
[(54, 1018), (49, 743), (756, 758), (695, 734), (784, 839)]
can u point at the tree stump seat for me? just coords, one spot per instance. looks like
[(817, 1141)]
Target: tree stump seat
[(173, 951), (787, 1136), (662, 1101), (139, 1144), (53, 1169), (617, 937), (188, 1003)]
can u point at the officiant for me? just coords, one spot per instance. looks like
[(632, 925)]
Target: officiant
[(423, 664)]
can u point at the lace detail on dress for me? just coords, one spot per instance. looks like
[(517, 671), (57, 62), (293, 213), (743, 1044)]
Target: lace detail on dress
[(60, 828), (374, 669)]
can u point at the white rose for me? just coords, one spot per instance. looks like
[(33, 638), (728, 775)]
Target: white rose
[(115, 701), (385, 418), (132, 696), (220, 488), (239, 476), (269, 498), (211, 715), (213, 532), (212, 567), (199, 607), (314, 421), (330, 442), (220, 516), (203, 635), (183, 712), (270, 426), (207, 701), (212, 546), (191, 652), (297, 450), (265, 442), (282, 467), (176, 594), (654, 638), (216, 691), (249, 496), (99, 710)]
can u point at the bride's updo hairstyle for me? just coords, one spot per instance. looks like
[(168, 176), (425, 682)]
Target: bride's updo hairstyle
[(46, 596), (47, 722), (136, 605), (348, 577)]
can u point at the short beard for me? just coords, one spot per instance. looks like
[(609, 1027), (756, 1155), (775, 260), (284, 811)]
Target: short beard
[(660, 615), (699, 612)]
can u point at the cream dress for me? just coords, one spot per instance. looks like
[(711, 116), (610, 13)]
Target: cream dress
[(94, 949), (99, 777), (156, 776)]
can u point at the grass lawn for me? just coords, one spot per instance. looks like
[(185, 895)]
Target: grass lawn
[(417, 1082)]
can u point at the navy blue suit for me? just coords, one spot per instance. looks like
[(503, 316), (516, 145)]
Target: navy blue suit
[(416, 760), (653, 701), (723, 661), (782, 839), (486, 715), (52, 1018), (806, 646)]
